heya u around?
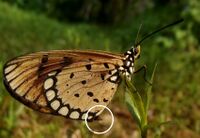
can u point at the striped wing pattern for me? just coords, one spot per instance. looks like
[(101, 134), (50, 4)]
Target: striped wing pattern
[(64, 82)]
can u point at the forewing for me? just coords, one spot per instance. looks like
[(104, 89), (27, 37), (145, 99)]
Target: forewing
[(65, 83)]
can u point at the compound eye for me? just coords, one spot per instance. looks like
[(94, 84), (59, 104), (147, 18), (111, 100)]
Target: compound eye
[(137, 52)]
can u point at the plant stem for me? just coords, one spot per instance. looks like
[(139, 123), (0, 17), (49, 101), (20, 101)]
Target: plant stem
[(144, 132)]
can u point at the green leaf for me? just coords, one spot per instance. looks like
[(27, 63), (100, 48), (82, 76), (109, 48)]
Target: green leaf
[(132, 109), (148, 92), (135, 104)]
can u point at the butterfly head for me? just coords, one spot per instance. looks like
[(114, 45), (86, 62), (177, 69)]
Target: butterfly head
[(130, 56)]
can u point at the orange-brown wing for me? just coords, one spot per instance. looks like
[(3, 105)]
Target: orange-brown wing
[(62, 82)]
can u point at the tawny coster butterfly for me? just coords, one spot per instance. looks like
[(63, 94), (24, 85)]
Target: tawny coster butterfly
[(69, 82)]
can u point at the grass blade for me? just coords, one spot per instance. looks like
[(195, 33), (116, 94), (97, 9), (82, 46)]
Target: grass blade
[(135, 104), (148, 93)]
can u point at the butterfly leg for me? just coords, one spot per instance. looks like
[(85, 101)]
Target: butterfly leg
[(144, 67)]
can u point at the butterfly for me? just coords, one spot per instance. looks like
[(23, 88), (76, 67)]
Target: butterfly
[(68, 82)]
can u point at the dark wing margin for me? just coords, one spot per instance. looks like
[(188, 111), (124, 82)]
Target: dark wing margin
[(21, 79)]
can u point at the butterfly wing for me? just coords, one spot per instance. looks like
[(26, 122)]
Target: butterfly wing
[(63, 82)]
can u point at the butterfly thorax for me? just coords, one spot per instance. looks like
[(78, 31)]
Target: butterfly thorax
[(127, 69)]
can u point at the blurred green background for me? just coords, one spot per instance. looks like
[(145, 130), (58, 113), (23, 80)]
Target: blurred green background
[(111, 25)]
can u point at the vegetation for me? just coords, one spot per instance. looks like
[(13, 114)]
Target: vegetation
[(27, 27)]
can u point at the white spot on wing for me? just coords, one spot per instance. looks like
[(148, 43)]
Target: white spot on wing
[(63, 111), (50, 94), (83, 116), (55, 104), (121, 68), (13, 85), (18, 92), (90, 117), (52, 73), (48, 83), (113, 78), (114, 71), (74, 115), (10, 68)]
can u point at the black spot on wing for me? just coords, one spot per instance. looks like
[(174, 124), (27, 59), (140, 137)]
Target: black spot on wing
[(71, 75), (102, 76), (67, 61), (106, 65), (88, 67), (83, 82), (96, 100), (44, 59), (90, 94), (105, 100), (76, 95), (90, 59)]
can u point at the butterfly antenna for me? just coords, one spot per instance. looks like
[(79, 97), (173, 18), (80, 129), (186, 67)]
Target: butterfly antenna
[(138, 35), (160, 29)]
